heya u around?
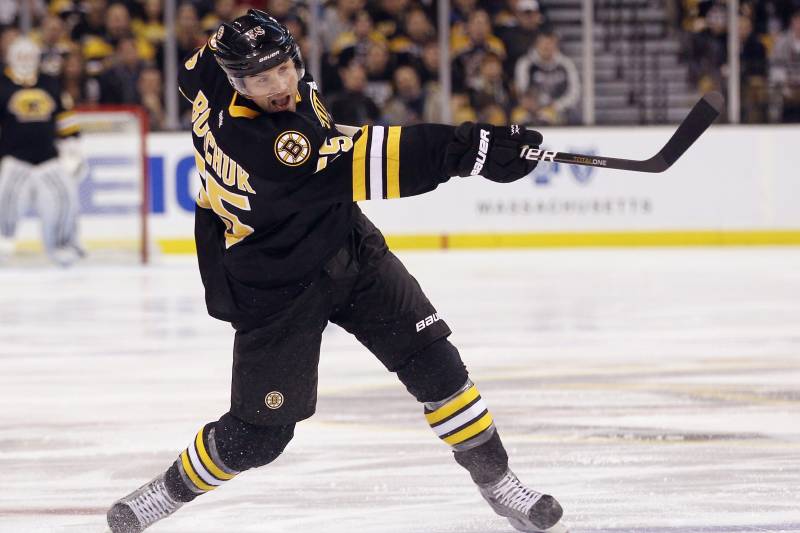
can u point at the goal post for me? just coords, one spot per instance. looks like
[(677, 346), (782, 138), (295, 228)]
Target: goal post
[(115, 193)]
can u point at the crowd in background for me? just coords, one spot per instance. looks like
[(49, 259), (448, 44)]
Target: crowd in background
[(769, 45), (380, 57)]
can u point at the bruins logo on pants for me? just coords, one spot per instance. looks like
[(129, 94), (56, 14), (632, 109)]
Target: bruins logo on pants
[(292, 148)]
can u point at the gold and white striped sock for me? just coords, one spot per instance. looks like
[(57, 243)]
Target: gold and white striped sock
[(463, 421), (200, 465)]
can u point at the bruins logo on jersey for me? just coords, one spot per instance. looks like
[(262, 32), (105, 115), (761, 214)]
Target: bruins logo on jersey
[(292, 148), (32, 105)]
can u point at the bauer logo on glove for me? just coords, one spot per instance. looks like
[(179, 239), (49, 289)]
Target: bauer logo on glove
[(493, 152)]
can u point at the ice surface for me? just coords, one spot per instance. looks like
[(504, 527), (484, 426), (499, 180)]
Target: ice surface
[(651, 391)]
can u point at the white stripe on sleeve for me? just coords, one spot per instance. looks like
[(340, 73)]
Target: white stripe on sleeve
[(376, 164)]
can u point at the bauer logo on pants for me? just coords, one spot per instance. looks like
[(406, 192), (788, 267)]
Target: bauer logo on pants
[(427, 321), (274, 400)]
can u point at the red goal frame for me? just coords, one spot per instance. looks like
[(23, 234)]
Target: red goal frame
[(144, 128)]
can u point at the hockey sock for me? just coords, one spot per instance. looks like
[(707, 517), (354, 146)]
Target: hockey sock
[(198, 468), (463, 421)]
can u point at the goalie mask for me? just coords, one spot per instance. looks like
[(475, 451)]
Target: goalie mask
[(22, 61), (250, 47)]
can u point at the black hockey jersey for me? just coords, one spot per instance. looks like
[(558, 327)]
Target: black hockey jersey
[(32, 118), (278, 189)]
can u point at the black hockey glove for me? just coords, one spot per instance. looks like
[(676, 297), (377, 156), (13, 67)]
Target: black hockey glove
[(491, 151)]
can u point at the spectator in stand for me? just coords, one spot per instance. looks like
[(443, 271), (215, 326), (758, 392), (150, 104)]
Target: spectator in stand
[(91, 22), (337, 19), (407, 106), (224, 11), (350, 46), (80, 88), (493, 114), (709, 51), (772, 16), (554, 76), (151, 96), (352, 105), (284, 10), (354, 44), (519, 29), (98, 48), (490, 86), (462, 110), (118, 84), (10, 10), (55, 45), (380, 65), (7, 35), (460, 11), (388, 17), (480, 41), (429, 65), (188, 34), (417, 31), (753, 73), (530, 113), (785, 69), (151, 26)]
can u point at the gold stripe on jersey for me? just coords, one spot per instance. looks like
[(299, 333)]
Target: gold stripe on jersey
[(192, 61), (319, 109), (380, 179), (393, 162), (67, 123), (463, 421), (202, 197), (240, 111), (359, 166)]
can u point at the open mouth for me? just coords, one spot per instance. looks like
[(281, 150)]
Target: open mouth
[(281, 103)]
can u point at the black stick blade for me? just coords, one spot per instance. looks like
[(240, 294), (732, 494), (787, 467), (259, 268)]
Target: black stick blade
[(696, 122)]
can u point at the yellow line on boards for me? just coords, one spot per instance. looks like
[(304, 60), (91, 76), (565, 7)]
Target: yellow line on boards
[(563, 240), (510, 240)]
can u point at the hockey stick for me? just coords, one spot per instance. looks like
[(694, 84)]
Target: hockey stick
[(696, 122)]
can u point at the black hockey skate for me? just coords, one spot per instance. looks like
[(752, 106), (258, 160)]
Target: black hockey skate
[(141, 508), (527, 510)]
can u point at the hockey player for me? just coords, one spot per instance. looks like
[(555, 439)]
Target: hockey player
[(40, 155), (283, 250)]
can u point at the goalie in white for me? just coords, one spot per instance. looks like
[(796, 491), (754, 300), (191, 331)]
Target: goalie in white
[(41, 157)]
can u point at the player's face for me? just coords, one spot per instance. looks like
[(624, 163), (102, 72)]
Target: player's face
[(274, 89)]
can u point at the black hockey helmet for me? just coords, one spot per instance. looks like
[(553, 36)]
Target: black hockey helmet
[(253, 43)]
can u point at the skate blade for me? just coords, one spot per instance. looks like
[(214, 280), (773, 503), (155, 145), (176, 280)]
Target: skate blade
[(558, 527)]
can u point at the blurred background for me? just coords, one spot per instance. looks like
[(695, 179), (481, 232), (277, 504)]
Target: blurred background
[(548, 62)]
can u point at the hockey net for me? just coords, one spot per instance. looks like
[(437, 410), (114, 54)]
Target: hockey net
[(114, 196)]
